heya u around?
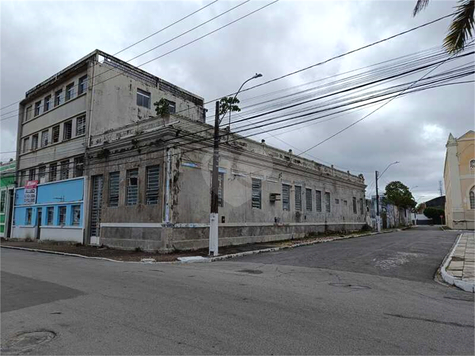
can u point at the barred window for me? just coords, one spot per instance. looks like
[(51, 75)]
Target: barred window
[(256, 193), (152, 185), (82, 85), (26, 144), (64, 169), (62, 215), (298, 198), (34, 142), (41, 173), (79, 166), (308, 199), (67, 130), (32, 174), (37, 108), (114, 179), (50, 215), (472, 199), (69, 91), (143, 98), (58, 97), (76, 211), (132, 186), (55, 133), (286, 197), (2, 201), (53, 172), (29, 213), (318, 199), (328, 202), (47, 103), (44, 138), (81, 125), (354, 206)]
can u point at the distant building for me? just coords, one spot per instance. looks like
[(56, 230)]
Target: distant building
[(459, 178), (438, 202), (7, 186), (57, 119)]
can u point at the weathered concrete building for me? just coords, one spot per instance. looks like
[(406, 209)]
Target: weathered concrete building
[(93, 95), (151, 184), (459, 178)]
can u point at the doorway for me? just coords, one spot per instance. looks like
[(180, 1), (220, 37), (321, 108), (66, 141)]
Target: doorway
[(38, 223)]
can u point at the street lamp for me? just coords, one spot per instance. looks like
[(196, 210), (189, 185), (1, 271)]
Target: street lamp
[(378, 220), (213, 216)]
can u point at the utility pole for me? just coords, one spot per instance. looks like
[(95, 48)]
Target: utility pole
[(378, 221), (213, 216)]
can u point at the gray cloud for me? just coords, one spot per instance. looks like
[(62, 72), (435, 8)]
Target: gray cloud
[(288, 35)]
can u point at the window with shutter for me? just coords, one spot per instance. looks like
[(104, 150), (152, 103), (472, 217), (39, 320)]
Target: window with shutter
[(152, 185), (256, 193)]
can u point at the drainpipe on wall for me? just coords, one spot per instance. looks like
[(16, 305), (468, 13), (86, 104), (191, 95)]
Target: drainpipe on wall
[(167, 188)]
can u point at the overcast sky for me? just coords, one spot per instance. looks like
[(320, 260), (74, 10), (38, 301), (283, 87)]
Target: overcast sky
[(40, 38)]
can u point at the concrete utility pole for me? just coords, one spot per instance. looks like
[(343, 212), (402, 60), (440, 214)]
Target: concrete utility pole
[(213, 216), (377, 176), (378, 225)]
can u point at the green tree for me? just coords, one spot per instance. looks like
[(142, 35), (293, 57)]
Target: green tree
[(435, 214), (162, 108), (461, 27), (398, 194), (228, 104)]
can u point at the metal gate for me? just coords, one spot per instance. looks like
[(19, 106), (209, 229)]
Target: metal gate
[(96, 205)]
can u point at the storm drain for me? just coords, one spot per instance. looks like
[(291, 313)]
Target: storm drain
[(350, 286), (27, 341)]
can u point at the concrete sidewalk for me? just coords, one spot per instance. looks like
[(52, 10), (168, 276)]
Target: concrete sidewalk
[(459, 267)]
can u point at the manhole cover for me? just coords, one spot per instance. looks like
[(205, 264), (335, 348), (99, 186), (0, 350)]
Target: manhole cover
[(350, 286), (24, 342), (250, 271)]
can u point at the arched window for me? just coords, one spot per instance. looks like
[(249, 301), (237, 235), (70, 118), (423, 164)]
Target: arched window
[(472, 164), (472, 199)]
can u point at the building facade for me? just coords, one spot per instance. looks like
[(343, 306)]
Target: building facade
[(391, 215), (94, 95), (459, 179), (151, 186), (7, 186)]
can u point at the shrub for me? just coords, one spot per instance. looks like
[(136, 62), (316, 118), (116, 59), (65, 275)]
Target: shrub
[(434, 214)]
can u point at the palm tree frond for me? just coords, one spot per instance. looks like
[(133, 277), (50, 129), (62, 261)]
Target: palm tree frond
[(461, 28), (421, 4)]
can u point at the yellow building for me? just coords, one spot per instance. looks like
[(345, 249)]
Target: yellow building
[(459, 177)]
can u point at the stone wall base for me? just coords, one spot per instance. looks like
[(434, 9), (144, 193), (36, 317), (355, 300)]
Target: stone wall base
[(168, 239)]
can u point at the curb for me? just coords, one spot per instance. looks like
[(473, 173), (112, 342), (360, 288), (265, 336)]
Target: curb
[(209, 259), (448, 278)]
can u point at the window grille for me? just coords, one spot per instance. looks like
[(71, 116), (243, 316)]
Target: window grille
[(327, 202), (2, 201), (64, 169), (472, 199), (53, 172), (37, 108), (47, 103), (298, 198), (55, 133), (44, 138), (62, 215), (114, 179), (32, 174), (286, 197), (152, 185), (69, 91), (41, 173), (80, 125), (67, 130), (256, 193), (58, 97), (76, 211), (82, 85), (50, 215), (318, 199), (34, 142), (132, 186), (79, 166), (308, 199)]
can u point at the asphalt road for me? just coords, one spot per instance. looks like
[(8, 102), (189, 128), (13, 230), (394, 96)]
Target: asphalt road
[(370, 295)]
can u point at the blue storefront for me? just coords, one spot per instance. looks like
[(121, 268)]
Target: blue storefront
[(55, 212)]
